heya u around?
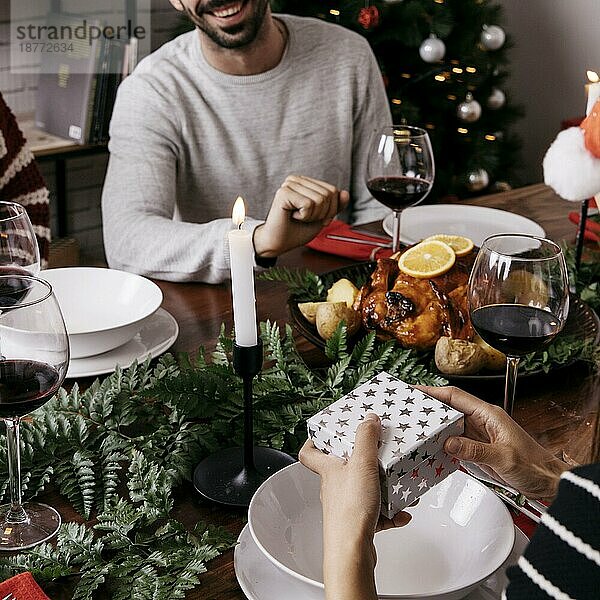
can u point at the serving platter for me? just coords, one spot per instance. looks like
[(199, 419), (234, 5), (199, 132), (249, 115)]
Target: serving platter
[(582, 322)]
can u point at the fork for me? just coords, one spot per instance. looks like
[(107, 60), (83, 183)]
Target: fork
[(532, 508)]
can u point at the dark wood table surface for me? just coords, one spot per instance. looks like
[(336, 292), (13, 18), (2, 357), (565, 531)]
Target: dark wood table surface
[(554, 408)]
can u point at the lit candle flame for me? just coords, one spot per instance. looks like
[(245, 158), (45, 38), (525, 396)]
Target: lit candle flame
[(593, 77), (238, 215)]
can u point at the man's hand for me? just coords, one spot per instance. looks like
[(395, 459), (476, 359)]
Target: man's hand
[(497, 443), (301, 208)]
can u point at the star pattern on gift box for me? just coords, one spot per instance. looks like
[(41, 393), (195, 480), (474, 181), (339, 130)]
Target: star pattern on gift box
[(414, 427), (396, 488)]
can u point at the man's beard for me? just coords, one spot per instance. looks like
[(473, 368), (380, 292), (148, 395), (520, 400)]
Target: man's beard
[(236, 36)]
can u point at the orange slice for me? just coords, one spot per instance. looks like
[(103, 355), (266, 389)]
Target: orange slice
[(461, 245), (427, 259)]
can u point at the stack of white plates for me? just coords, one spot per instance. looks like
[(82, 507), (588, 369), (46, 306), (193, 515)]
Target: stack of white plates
[(458, 544), (112, 318)]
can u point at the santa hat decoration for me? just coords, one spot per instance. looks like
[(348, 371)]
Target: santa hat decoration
[(591, 129), (572, 163)]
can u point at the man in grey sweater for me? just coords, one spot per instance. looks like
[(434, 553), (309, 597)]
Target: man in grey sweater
[(279, 110)]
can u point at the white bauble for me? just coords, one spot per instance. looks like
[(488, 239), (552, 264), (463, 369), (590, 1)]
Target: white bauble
[(432, 49), (493, 37), (469, 110), (497, 99), (477, 180)]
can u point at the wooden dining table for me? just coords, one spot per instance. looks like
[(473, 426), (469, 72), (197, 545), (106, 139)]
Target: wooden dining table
[(556, 408)]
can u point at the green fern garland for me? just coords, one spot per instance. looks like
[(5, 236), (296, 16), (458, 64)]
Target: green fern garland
[(119, 450)]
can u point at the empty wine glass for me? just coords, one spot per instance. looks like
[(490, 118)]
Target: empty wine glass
[(35, 357), (19, 251), (518, 297), (400, 170)]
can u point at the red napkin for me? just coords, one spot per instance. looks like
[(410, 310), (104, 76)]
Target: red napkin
[(23, 586), (359, 252), (523, 522)]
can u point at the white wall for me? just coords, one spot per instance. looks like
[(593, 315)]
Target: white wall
[(556, 42)]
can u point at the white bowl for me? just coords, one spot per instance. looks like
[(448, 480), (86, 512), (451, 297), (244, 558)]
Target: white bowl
[(102, 308), (459, 535)]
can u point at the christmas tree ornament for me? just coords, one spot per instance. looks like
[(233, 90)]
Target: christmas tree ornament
[(477, 180), (432, 49), (501, 186), (492, 37), (368, 17), (469, 110), (496, 99)]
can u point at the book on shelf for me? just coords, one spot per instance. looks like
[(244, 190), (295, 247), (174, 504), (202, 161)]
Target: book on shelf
[(77, 89)]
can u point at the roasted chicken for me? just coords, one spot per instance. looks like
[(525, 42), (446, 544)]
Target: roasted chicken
[(417, 312)]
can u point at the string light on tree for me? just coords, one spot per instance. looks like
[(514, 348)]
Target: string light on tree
[(496, 99), (492, 37), (469, 111), (477, 180), (432, 49)]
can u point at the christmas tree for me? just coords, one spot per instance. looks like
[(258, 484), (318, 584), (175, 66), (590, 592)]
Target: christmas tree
[(444, 65)]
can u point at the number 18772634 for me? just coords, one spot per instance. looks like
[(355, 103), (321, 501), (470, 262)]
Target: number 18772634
[(45, 47)]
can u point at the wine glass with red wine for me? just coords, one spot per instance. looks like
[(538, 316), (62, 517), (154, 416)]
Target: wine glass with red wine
[(400, 170), (19, 251), (518, 297), (35, 350)]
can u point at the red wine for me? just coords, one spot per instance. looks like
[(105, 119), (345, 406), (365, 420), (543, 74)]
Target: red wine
[(398, 192), (25, 385), (13, 289), (515, 329)]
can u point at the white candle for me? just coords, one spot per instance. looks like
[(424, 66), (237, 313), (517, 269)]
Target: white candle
[(592, 89), (241, 255)]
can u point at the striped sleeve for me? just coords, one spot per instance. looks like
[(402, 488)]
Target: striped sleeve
[(562, 561), (21, 180)]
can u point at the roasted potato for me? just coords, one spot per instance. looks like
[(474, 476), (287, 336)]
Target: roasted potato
[(459, 357), (343, 290), (494, 359), (330, 314), (309, 310)]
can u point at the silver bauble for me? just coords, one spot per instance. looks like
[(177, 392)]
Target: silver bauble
[(496, 99), (477, 180), (492, 37), (501, 186), (469, 110), (432, 49)]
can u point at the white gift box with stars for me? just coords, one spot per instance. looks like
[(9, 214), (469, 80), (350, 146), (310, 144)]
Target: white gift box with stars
[(414, 429)]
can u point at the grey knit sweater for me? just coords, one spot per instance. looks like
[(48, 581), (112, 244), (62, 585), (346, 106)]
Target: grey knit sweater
[(187, 139)]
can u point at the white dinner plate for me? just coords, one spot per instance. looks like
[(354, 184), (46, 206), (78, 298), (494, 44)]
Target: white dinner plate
[(474, 222), (156, 336), (260, 579)]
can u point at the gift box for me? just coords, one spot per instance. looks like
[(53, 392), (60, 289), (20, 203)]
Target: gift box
[(414, 429)]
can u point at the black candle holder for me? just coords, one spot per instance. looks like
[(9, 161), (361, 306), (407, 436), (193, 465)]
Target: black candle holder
[(583, 215), (232, 476)]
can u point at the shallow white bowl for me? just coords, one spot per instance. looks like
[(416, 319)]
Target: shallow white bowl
[(102, 308), (460, 534)]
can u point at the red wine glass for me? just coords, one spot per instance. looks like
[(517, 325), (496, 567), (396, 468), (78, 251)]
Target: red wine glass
[(35, 357), (400, 170), (19, 251), (518, 298)]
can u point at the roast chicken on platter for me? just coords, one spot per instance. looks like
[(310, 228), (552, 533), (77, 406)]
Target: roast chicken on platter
[(417, 312)]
